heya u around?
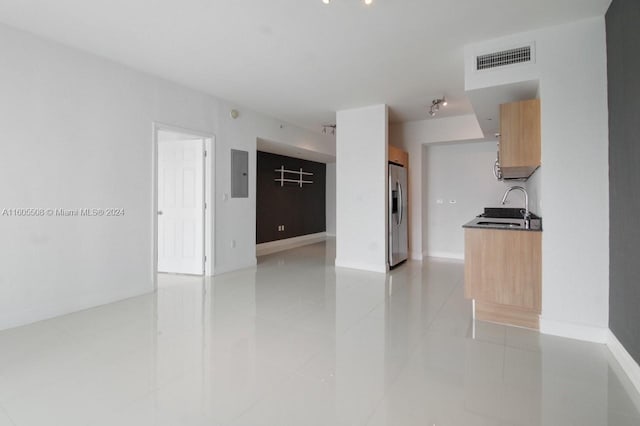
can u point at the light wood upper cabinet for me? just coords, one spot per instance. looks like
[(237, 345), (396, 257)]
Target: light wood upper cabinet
[(519, 138), (398, 156)]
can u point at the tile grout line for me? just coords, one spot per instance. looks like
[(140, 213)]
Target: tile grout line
[(444, 303), (504, 357), (411, 352), (263, 397), (6, 414)]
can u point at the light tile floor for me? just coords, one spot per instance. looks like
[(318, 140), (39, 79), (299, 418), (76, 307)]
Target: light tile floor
[(297, 342)]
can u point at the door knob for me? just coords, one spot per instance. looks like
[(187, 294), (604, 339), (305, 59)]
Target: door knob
[(159, 212)]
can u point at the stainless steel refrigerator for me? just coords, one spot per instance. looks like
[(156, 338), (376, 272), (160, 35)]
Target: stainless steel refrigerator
[(398, 231)]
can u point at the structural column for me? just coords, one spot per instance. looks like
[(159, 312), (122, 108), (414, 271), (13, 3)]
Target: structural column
[(361, 188)]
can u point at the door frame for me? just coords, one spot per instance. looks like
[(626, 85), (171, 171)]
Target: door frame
[(208, 188)]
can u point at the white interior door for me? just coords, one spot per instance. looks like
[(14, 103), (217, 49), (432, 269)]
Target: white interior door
[(180, 206)]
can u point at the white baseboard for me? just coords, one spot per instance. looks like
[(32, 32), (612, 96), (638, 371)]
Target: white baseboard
[(371, 267), (225, 269), (573, 331), (444, 255), (416, 256), (628, 364), (289, 243), (30, 316)]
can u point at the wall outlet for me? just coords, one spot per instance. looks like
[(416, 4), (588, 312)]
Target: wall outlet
[(280, 228)]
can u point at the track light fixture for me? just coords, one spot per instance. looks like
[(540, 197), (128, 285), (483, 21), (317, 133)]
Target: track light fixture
[(367, 2), (329, 129), (435, 105)]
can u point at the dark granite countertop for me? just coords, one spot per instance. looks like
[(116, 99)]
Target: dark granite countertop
[(508, 219)]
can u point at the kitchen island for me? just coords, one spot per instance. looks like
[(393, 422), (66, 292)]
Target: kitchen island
[(503, 270)]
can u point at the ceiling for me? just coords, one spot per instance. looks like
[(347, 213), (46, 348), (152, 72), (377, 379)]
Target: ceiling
[(298, 60), (486, 103), (293, 151)]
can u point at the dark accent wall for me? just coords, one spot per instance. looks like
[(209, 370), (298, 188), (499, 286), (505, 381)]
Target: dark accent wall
[(302, 211), (623, 56)]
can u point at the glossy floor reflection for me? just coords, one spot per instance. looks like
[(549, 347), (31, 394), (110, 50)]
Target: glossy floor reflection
[(297, 342)]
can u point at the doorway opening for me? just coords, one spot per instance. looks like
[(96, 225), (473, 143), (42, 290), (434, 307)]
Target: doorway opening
[(183, 211), (295, 197)]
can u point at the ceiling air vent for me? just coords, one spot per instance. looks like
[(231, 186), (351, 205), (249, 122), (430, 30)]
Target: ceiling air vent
[(504, 57)]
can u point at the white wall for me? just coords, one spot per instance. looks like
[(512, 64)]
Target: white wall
[(361, 177), (331, 199), (572, 184), (458, 172), (76, 131), (411, 137)]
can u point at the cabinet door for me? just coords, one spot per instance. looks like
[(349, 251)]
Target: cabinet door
[(504, 267), (398, 156), (520, 134)]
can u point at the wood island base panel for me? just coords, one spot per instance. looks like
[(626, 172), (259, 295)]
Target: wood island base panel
[(510, 315), (503, 275)]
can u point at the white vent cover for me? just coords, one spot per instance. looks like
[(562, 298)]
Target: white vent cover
[(504, 57)]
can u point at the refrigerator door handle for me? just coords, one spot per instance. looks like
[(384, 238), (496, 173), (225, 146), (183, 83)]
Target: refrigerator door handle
[(390, 199), (400, 204)]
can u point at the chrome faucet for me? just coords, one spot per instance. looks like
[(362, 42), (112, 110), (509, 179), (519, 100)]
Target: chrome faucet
[(527, 214)]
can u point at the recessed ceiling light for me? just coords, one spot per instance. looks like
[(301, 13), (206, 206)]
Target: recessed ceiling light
[(326, 1)]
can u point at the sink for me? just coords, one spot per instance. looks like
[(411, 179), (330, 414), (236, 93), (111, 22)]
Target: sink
[(494, 224), (506, 213), (507, 218)]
